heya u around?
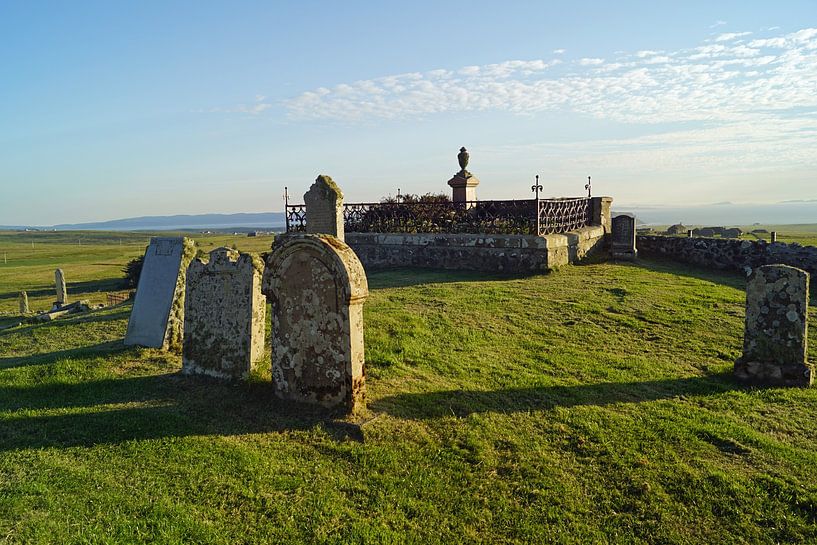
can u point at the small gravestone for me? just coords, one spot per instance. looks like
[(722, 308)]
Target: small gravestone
[(59, 284), (623, 237), (224, 315), (24, 303), (324, 208), (316, 287), (775, 338), (158, 309)]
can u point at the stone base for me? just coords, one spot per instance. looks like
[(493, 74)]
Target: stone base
[(773, 374), (628, 255)]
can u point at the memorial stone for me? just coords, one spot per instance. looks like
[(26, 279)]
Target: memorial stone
[(62, 291), (776, 328), (24, 303), (324, 208), (224, 315), (623, 237), (157, 318)]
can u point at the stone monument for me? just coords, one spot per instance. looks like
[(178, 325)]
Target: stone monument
[(24, 303), (324, 208), (316, 287), (463, 184), (776, 333), (158, 310), (224, 315), (623, 237), (62, 291)]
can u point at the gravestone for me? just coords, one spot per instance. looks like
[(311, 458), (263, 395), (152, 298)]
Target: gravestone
[(316, 287), (158, 310), (623, 237), (776, 331), (224, 315), (24, 303), (324, 208), (62, 291)]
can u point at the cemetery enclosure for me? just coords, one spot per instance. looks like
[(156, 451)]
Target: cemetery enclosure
[(590, 403)]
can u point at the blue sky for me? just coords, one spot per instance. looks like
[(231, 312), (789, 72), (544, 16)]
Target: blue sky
[(111, 110)]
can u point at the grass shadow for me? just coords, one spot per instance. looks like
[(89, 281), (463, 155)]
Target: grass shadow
[(74, 288), (71, 319), (405, 277), (101, 349)]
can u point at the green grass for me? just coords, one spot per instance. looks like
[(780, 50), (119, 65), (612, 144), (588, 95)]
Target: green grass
[(804, 234), (593, 405)]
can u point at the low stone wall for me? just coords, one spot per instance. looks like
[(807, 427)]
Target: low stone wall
[(728, 254), (513, 254)]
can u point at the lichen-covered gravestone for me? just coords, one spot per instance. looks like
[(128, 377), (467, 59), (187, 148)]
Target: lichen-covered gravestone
[(158, 310), (324, 205), (623, 237), (774, 342), (316, 286), (59, 284), (224, 315), (24, 303)]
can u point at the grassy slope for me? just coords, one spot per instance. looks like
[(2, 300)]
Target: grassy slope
[(590, 405)]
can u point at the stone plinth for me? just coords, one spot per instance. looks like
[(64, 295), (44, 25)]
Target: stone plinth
[(600, 211), (59, 285), (316, 287), (463, 186), (775, 337), (157, 318), (24, 303), (324, 208), (224, 315), (623, 237)]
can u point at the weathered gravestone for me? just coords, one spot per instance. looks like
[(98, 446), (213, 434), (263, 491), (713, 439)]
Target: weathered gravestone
[(316, 286), (224, 315), (24, 303), (774, 341), (324, 205), (623, 237), (59, 284), (158, 309)]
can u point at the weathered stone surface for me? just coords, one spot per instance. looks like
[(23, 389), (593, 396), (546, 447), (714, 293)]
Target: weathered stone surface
[(157, 318), (463, 184), (623, 237), (24, 303), (224, 314), (600, 210), (775, 338), (316, 287), (59, 283), (324, 208)]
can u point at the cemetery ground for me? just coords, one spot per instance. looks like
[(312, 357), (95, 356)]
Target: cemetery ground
[(591, 405)]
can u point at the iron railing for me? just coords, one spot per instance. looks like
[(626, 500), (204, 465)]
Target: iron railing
[(523, 217)]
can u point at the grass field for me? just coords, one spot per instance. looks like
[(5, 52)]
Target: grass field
[(592, 405), (804, 234)]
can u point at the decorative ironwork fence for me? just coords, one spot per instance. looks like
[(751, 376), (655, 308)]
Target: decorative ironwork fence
[(523, 217)]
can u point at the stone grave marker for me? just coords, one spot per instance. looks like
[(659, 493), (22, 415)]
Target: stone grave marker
[(224, 315), (158, 310), (776, 330), (59, 284), (316, 286), (623, 237), (24, 303), (324, 205)]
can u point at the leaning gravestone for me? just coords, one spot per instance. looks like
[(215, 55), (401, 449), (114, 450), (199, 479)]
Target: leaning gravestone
[(24, 303), (224, 315), (59, 284), (324, 208), (316, 286), (158, 310), (623, 237), (774, 341)]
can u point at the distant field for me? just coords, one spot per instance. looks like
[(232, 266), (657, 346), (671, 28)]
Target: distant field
[(803, 233)]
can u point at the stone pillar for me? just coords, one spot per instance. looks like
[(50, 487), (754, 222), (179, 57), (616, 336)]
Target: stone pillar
[(776, 333), (623, 238), (463, 184), (316, 287), (224, 315), (324, 208), (24, 303), (773, 236), (600, 212), (689, 233), (62, 291)]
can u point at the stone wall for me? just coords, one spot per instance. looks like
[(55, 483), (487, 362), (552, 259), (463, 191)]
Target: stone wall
[(513, 254), (728, 254)]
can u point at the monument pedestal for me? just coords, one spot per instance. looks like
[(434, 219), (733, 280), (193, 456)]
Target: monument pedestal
[(464, 186)]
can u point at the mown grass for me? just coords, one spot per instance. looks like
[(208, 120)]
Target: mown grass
[(593, 405)]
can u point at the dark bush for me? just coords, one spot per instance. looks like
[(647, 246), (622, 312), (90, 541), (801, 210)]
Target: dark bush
[(132, 271)]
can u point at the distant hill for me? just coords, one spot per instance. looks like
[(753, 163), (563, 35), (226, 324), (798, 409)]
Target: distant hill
[(262, 220)]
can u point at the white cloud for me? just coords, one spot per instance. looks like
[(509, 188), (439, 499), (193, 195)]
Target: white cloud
[(717, 24), (559, 51), (591, 62), (729, 36)]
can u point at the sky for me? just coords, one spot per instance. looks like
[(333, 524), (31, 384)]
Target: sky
[(115, 109)]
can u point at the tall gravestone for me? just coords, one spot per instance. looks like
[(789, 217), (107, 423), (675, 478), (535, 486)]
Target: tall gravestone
[(24, 303), (158, 310), (224, 315), (59, 285), (324, 208), (776, 331), (316, 287), (623, 237)]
